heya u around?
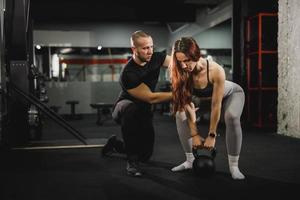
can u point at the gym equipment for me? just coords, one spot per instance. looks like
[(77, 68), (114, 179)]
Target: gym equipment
[(103, 110), (73, 114), (204, 164), (37, 88), (23, 88), (17, 44)]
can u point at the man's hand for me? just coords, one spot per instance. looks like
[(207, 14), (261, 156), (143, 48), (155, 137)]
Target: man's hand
[(191, 111)]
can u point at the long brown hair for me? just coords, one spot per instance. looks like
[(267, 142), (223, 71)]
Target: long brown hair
[(182, 81)]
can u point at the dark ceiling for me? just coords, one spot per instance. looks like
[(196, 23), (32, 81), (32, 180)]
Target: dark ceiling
[(78, 11)]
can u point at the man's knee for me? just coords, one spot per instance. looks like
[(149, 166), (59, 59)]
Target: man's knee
[(124, 108)]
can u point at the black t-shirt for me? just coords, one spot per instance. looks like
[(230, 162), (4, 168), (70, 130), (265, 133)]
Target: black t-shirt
[(132, 75)]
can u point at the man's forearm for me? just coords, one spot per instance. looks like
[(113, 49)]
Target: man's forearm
[(161, 97)]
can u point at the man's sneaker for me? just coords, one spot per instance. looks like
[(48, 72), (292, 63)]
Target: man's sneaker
[(109, 147), (133, 169)]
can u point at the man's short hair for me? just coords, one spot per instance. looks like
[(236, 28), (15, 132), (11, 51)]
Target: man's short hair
[(136, 35)]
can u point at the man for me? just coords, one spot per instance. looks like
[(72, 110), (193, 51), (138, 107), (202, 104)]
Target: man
[(132, 110)]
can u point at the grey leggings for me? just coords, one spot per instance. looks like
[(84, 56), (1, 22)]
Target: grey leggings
[(232, 108)]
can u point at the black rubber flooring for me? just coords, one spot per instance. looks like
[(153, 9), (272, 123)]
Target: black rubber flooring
[(270, 162)]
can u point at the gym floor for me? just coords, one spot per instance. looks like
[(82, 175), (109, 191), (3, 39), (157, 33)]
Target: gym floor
[(270, 162)]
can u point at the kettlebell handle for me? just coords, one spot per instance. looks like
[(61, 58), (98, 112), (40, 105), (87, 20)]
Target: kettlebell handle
[(206, 152)]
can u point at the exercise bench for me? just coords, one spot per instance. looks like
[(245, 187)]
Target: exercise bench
[(103, 109), (73, 114)]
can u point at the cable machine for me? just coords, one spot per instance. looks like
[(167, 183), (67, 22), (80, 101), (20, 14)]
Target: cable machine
[(23, 90)]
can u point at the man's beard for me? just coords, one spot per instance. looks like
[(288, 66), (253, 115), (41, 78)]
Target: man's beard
[(141, 58)]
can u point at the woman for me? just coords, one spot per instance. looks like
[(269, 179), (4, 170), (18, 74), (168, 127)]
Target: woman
[(195, 81)]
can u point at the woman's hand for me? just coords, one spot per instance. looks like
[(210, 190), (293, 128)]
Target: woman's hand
[(197, 141), (209, 142)]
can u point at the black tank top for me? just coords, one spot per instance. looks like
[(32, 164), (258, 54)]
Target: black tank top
[(208, 90)]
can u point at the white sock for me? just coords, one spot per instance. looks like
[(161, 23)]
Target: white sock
[(234, 168), (188, 164)]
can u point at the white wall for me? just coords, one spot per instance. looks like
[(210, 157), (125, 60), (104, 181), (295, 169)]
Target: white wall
[(61, 38), (289, 68), (218, 37), (117, 35), (104, 34), (84, 92)]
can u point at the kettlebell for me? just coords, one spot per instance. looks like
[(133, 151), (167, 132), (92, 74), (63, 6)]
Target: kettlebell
[(204, 164)]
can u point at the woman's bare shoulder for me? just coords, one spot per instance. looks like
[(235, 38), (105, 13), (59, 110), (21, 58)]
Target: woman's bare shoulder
[(216, 69)]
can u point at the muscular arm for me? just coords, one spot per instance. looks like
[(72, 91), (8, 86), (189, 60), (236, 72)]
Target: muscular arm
[(143, 92), (219, 81), (191, 116), (167, 61)]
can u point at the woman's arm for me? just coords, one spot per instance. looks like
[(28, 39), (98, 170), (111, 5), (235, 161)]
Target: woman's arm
[(218, 93), (191, 117), (190, 111)]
